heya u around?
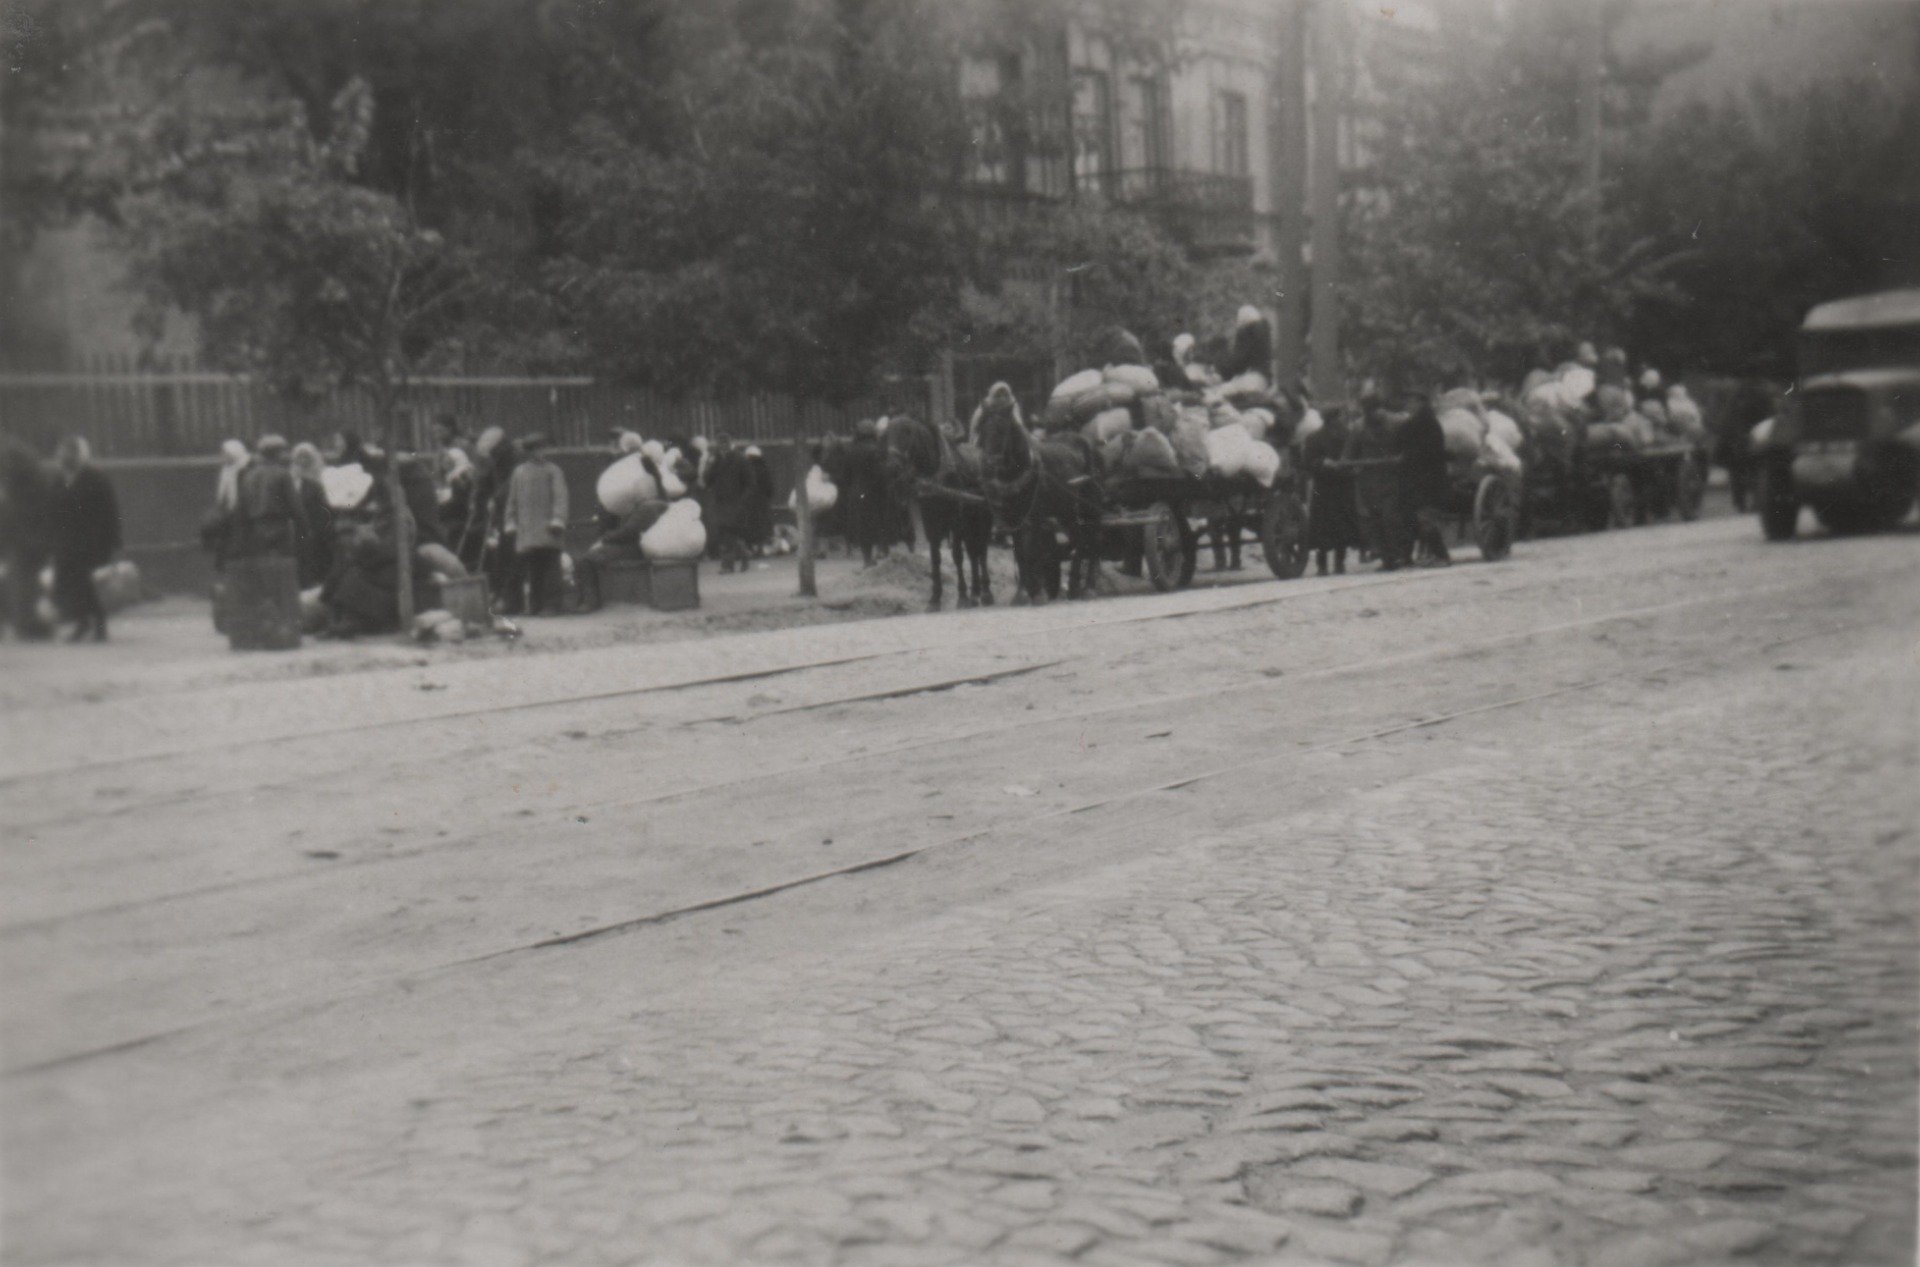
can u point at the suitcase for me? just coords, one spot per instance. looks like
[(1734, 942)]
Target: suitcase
[(675, 584)]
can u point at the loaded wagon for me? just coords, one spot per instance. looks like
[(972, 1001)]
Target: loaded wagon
[(1484, 505), (1623, 485), (1159, 519)]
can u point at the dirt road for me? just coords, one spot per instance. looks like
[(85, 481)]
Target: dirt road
[(1555, 911)]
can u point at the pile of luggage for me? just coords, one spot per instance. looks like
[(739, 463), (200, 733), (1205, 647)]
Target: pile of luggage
[(645, 493), (1195, 427)]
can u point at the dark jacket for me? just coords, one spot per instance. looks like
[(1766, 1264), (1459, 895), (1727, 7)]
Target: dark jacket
[(1422, 446), (86, 520), (729, 495), (271, 517), (1333, 522), (314, 548)]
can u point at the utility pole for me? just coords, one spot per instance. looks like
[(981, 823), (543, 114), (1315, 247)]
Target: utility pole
[(1289, 188), (1329, 100)]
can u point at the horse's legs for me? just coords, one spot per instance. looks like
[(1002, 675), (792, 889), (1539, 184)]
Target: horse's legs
[(979, 542), (963, 595), (933, 549)]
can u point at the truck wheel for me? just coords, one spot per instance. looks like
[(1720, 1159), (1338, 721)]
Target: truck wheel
[(1779, 508)]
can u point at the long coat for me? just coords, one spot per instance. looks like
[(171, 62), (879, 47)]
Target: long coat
[(86, 520), (1333, 522), (537, 500), (1422, 446), (868, 513)]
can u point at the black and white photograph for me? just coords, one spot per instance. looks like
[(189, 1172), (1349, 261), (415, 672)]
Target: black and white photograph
[(959, 633)]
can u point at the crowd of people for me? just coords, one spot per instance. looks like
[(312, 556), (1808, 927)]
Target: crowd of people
[(1378, 467)]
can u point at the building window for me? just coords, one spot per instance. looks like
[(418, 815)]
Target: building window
[(1143, 130), (1092, 130), (988, 86), (1232, 148)]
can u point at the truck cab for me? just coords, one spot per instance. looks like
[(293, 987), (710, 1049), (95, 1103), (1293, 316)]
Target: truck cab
[(1847, 444)]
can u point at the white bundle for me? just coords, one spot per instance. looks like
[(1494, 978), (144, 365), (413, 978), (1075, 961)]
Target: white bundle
[(1074, 386), (821, 493), (1498, 455), (1138, 377), (1251, 383), (1310, 422), (1505, 429), (1263, 462), (118, 585), (346, 486), (671, 485), (678, 534), (1465, 432), (1257, 421), (1108, 424), (1199, 375), (1762, 434), (1459, 398), (1221, 414), (1228, 450), (626, 484), (1576, 382)]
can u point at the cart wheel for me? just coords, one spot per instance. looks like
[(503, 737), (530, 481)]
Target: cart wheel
[(1283, 536), (1623, 504), (1692, 488), (1494, 515), (1165, 547)]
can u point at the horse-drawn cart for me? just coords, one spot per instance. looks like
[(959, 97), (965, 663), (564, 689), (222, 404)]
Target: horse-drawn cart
[(1622, 485), (1159, 521)]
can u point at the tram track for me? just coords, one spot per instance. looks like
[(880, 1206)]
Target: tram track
[(415, 976), (803, 770), (71, 816)]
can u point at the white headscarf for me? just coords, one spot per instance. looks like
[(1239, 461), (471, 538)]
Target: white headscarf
[(233, 459)]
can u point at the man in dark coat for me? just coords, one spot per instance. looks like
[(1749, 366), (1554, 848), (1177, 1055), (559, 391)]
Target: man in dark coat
[(728, 498), (1422, 446), (26, 538), (1333, 523), (86, 536), (1377, 485), (865, 498), (758, 528)]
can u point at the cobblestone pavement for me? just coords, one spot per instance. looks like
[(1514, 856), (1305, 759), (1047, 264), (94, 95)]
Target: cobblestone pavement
[(1616, 976)]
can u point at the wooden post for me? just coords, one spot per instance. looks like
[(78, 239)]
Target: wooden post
[(383, 395), (1592, 45), (1329, 72), (803, 513), (1289, 194)]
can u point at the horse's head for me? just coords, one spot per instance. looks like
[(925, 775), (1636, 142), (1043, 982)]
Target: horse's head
[(912, 454)]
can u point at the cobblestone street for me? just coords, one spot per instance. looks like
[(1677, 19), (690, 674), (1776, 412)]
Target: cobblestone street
[(1559, 912)]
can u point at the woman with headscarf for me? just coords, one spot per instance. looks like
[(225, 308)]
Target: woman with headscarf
[(313, 550)]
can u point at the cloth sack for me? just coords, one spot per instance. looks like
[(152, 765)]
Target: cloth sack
[(822, 493), (625, 485), (1228, 450), (1107, 424), (346, 486), (1505, 429), (1138, 377), (678, 534), (1189, 438), (1262, 462), (1465, 432)]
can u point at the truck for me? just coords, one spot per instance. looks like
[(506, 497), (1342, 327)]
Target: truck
[(1847, 442)]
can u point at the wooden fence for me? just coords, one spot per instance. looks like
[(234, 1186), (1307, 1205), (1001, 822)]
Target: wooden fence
[(127, 412)]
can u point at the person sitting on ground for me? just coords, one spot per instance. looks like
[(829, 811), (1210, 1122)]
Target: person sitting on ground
[(86, 535)]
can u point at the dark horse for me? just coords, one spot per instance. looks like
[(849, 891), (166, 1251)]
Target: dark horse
[(1036, 488), (939, 482)]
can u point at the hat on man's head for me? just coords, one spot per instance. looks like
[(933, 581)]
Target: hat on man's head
[(271, 446), (533, 443)]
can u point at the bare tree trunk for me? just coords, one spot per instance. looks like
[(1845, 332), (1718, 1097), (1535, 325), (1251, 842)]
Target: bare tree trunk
[(383, 395)]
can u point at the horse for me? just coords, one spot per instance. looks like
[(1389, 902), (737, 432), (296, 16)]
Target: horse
[(1034, 486), (940, 483)]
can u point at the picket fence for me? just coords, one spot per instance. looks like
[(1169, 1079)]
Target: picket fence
[(130, 411)]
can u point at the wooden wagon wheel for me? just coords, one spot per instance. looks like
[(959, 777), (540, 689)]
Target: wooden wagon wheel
[(1494, 515), (1283, 533), (1623, 504), (1166, 547), (1692, 488)]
